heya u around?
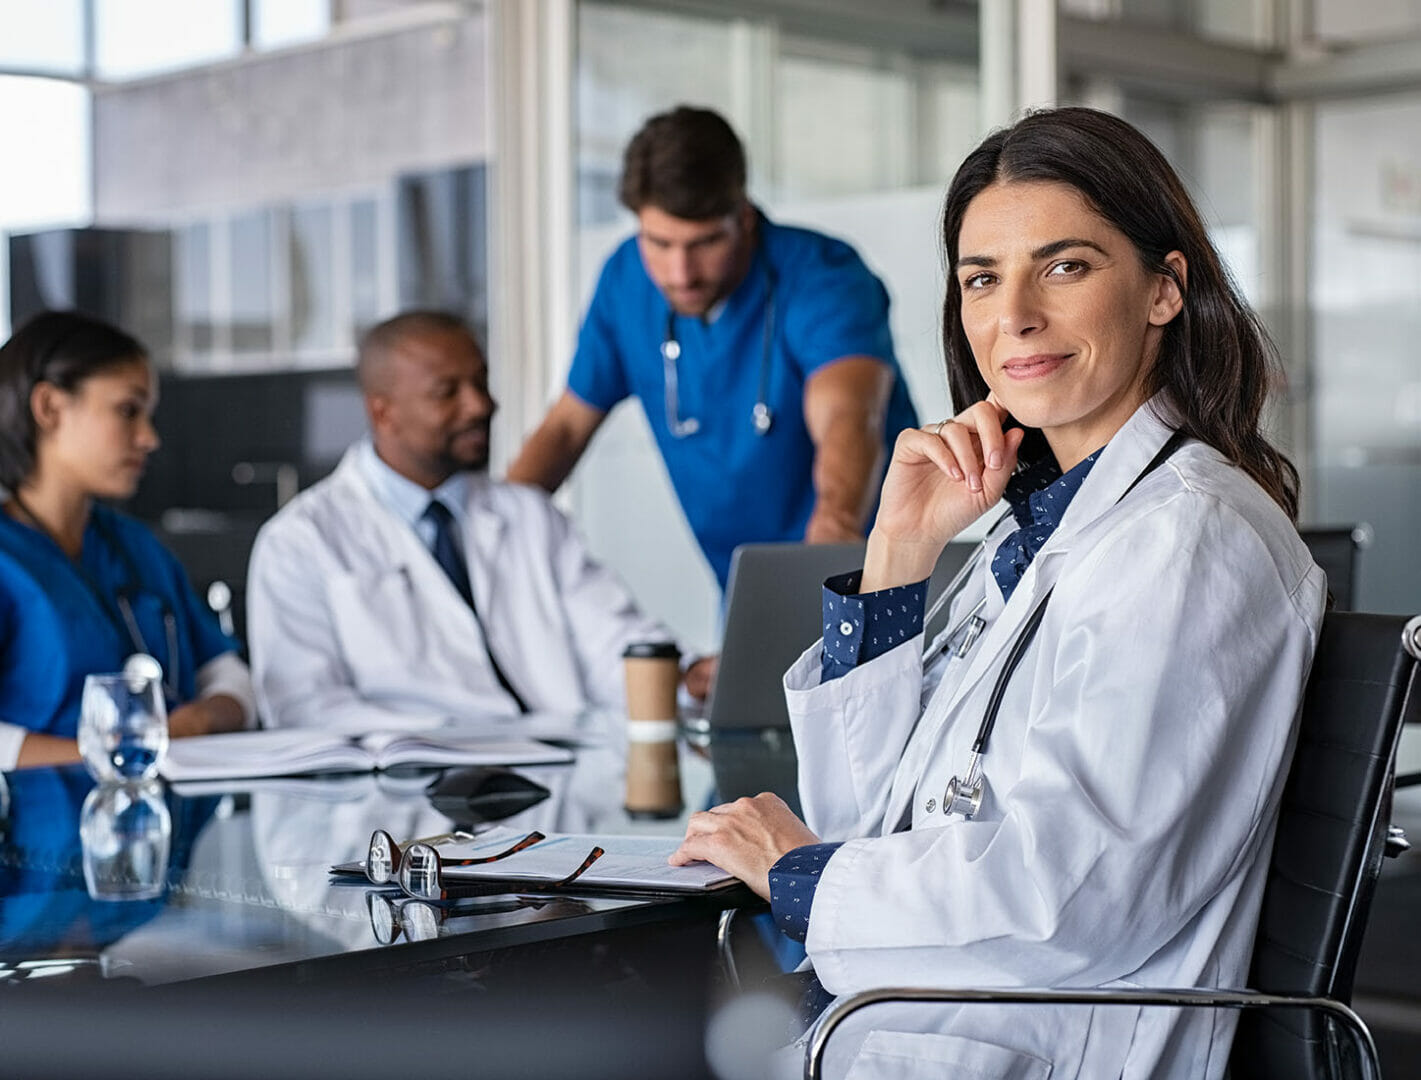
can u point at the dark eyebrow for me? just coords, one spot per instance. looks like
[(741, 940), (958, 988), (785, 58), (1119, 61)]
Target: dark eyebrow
[(1058, 246), (1055, 247)]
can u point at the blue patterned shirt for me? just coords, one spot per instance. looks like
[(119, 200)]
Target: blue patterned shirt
[(859, 627), (1038, 496)]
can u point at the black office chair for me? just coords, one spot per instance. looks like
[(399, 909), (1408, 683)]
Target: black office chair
[(1333, 830), (1336, 549)]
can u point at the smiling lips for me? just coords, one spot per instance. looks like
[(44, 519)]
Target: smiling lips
[(1034, 367)]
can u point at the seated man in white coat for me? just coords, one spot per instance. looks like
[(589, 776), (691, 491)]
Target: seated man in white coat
[(408, 588)]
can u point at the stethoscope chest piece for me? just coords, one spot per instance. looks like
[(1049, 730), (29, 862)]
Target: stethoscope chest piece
[(763, 418), (964, 794)]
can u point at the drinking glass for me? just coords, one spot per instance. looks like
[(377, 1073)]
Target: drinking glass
[(123, 726), (124, 833)]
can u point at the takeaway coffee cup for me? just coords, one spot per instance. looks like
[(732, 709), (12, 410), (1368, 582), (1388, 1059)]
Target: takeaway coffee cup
[(653, 673)]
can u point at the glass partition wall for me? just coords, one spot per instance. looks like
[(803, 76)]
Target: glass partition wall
[(855, 128), (852, 137), (316, 165)]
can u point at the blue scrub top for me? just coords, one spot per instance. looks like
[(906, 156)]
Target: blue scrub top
[(54, 630), (821, 303)]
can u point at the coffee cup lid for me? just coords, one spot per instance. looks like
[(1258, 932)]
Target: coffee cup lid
[(652, 650)]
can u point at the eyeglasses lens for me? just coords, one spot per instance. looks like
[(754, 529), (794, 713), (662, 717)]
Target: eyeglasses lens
[(421, 921), (420, 874), (380, 860)]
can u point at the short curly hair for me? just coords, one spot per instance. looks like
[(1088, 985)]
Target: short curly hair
[(687, 162)]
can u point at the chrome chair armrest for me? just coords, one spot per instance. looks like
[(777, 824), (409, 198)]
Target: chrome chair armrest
[(840, 1011), (724, 949)]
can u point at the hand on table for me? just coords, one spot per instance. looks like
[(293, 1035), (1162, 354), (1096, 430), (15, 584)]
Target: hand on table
[(745, 838), (700, 677)]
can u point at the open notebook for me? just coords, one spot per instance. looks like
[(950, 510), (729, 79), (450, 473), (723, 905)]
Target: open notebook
[(290, 751)]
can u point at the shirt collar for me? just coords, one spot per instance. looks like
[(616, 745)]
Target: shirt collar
[(1040, 493), (402, 496)]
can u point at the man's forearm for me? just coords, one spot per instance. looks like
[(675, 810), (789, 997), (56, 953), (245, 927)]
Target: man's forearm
[(545, 460), (846, 471), (557, 445)]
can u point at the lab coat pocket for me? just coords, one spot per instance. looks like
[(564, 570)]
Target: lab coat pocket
[(902, 1055), (381, 626)]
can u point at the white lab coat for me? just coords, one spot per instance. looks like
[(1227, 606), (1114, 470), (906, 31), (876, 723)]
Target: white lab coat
[(1132, 784), (352, 623)]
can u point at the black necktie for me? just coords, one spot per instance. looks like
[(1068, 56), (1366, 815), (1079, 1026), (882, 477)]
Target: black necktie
[(451, 561)]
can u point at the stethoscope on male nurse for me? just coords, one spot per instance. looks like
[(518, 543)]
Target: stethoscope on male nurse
[(963, 794), (762, 417)]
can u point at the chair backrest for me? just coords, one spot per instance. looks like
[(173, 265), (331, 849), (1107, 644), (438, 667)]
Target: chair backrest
[(1336, 550), (1332, 831)]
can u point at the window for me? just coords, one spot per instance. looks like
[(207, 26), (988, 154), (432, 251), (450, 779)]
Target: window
[(287, 22), (45, 180), (46, 37), (143, 37)]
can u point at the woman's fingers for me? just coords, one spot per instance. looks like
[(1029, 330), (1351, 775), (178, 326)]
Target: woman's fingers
[(927, 443), (962, 440), (979, 442)]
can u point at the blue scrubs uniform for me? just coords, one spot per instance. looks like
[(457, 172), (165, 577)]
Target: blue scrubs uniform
[(59, 622), (817, 301)]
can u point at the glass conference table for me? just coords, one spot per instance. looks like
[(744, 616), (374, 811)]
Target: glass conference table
[(256, 961)]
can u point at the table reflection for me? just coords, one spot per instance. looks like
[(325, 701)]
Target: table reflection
[(48, 910), (248, 881)]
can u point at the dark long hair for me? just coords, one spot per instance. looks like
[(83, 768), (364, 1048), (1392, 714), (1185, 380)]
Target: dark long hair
[(59, 347), (1216, 362)]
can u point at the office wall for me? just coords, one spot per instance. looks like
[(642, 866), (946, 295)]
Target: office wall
[(341, 114)]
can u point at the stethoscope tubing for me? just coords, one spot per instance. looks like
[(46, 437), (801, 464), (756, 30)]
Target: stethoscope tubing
[(968, 791)]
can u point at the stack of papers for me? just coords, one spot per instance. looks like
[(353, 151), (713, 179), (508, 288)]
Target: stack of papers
[(290, 751), (636, 863)]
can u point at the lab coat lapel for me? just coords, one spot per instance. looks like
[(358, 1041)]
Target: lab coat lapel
[(483, 535), (392, 546), (1124, 458)]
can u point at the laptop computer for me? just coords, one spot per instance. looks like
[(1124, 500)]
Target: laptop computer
[(772, 615)]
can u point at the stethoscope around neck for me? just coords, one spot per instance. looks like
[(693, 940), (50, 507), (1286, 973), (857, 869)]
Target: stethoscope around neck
[(762, 417), (963, 794)]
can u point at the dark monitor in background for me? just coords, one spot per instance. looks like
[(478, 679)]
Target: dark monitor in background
[(123, 276)]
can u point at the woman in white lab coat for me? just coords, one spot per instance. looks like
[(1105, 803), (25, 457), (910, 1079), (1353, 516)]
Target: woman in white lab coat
[(1130, 785)]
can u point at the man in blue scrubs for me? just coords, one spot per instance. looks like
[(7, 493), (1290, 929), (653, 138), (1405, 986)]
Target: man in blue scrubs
[(761, 353)]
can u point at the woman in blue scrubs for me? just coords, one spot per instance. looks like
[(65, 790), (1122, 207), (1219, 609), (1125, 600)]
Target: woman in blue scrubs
[(82, 587)]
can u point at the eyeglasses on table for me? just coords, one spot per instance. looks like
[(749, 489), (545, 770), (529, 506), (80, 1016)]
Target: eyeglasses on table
[(384, 857), (422, 872)]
